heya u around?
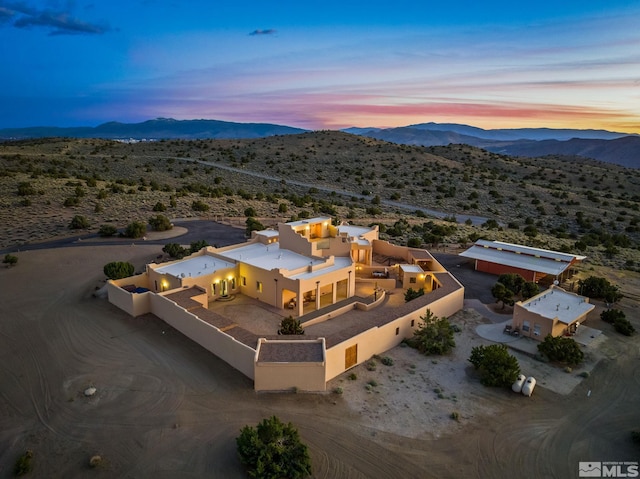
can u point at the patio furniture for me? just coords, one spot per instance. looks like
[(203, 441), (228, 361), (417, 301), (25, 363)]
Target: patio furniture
[(507, 329)]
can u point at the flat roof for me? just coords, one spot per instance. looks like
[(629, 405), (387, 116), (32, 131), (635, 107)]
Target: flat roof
[(338, 263), (309, 221), (194, 267), (529, 250), (532, 259), (354, 231), (268, 233), (270, 256), (557, 303), (411, 268), (292, 351)]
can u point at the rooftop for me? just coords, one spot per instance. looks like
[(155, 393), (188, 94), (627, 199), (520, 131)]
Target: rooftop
[(531, 259), (291, 351), (310, 221), (193, 267), (353, 231), (411, 268), (557, 303), (270, 256)]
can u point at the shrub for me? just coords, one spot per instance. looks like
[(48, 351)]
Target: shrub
[(611, 315), (250, 211), (352, 377), (197, 246), (107, 230), (599, 288), (623, 326), (290, 325), (160, 223), (72, 201), (373, 383), (584, 374), (433, 336), (495, 365), (387, 361), (562, 350), (199, 205), (10, 260), (455, 416), (79, 222), (253, 225), (175, 250), (338, 390), (159, 206), (273, 450), (414, 242), (118, 269), (137, 229), (24, 464), (371, 366), (412, 294), (25, 188)]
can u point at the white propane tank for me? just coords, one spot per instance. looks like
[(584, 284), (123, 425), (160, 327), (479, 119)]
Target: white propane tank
[(517, 386), (529, 384)]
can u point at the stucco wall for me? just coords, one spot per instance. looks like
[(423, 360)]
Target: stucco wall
[(222, 345), (135, 304), (379, 339)]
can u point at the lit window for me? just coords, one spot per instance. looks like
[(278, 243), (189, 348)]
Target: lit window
[(259, 286)]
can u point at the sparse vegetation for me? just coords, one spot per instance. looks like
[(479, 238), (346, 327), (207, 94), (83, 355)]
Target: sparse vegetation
[(24, 464), (137, 229), (10, 260), (79, 222)]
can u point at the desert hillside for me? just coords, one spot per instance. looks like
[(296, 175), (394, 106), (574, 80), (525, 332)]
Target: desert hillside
[(561, 203)]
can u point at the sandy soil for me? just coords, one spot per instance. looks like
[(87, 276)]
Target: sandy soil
[(166, 408)]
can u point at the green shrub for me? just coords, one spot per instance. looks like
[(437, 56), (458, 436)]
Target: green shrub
[(387, 361), (495, 365), (137, 229), (160, 223), (118, 269), (10, 260), (611, 315), (562, 350), (623, 326), (273, 450), (107, 230), (352, 377), (338, 390), (433, 336), (175, 250), (79, 222), (290, 325), (371, 366), (412, 294), (455, 416), (199, 205), (24, 464), (71, 201), (159, 206)]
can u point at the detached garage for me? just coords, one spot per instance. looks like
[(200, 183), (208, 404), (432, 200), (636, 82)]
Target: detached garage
[(532, 264)]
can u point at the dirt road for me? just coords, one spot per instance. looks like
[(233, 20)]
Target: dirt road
[(165, 408)]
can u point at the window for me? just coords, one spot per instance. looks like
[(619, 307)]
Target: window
[(351, 356), (397, 331), (213, 288), (412, 280), (536, 329), (525, 326), (244, 280), (413, 321), (233, 283), (259, 286)]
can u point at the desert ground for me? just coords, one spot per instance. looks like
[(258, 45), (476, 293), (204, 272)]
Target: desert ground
[(165, 407)]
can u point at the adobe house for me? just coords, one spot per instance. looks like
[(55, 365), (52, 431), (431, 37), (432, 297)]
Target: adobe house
[(533, 264), (308, 269), (554, 311)]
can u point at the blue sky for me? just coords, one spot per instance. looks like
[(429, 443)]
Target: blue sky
[(493, 64)]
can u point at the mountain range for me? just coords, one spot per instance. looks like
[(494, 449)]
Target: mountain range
[(607, 146)]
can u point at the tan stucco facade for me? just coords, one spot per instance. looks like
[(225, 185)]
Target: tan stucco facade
[(305, 266), (554, 311)]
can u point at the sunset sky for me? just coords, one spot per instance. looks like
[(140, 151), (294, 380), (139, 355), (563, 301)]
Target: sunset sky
[(322, 65)]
